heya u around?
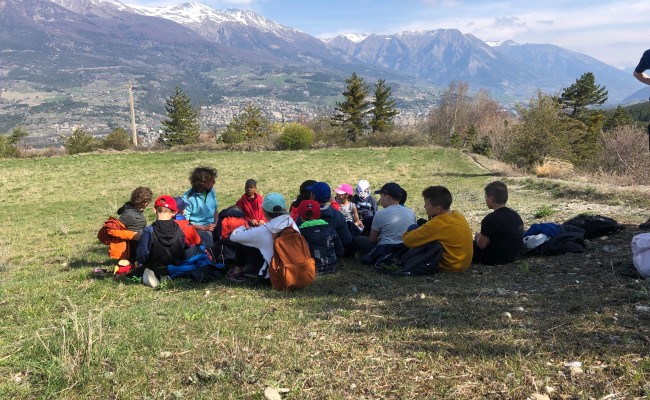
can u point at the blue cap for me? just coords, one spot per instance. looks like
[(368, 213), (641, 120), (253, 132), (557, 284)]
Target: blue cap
[(321, 191), (274, 203)]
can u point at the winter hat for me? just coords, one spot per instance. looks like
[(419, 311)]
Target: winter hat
[(321, 191), (363, 189), (180, 204), (344, 188), (309, 209), (166, 201), (274, 203)]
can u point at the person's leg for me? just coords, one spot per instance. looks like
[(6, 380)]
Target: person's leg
[(206, 238)]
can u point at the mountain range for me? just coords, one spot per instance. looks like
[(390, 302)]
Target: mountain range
[(67, 63)]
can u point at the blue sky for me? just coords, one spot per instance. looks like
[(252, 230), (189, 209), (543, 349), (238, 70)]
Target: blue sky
[(615, 32)]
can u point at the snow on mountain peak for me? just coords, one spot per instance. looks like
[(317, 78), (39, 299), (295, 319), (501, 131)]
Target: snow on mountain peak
[(193, 13), (355, 37)]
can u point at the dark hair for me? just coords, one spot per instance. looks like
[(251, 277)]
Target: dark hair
[(498, 190), (140, 197), (438, 196), (200, 177), (304, 193), (271, 215), (250, 183)]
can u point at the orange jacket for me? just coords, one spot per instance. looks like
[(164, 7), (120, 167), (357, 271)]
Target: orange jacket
[(117, 237)]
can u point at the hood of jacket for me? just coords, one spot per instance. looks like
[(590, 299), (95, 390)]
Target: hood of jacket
[(125, 206), (165, 231), (279, 223)]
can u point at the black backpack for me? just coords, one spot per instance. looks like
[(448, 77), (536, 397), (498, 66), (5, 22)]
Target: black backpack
[(595, 225)]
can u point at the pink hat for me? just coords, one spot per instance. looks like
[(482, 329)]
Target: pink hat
[(344, 188)]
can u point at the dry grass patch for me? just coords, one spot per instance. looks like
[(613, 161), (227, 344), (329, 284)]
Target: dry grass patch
[(554, 168)]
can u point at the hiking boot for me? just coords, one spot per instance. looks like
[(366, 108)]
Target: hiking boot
[(149, 278), (645, 225), (236, 277)]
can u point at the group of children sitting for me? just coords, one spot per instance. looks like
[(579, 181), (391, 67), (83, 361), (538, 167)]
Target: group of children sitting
[(347, 222)]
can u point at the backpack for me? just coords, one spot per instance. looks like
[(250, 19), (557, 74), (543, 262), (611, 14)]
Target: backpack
[(292, 266), (595, 225), (422, 260)]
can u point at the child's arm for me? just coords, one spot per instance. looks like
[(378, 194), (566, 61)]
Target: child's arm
[(142, 253), (355, 215), (481, 240), (123, 234)]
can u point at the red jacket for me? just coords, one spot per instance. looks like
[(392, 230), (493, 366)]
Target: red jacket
[(191, 236), (252, 208)]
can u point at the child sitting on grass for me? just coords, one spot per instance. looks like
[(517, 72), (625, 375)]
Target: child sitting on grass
[(349, 209), (324, 244), (192, 237), (251, 204), (162, 243), (124, 233), (449, 228), (500, 239)]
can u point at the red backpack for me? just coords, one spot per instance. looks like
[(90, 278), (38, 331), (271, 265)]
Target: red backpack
[(292, 266)]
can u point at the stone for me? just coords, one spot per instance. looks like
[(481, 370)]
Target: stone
[(506, 315), (549, 389), (272, 394), (642, 309), (538, 396), (166, 354), (519, 309), (610, 249)]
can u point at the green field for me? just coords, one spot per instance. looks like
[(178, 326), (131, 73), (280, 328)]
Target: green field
[(356, 334)]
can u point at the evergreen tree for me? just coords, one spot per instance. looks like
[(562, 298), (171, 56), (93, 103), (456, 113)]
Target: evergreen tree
[(248, 125), (620, 117), (17, 137), (118, 139), (582, 94), (383, 108), (351, 113), (182, 125), (79, 142)]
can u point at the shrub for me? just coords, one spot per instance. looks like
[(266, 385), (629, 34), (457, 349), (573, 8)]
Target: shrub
[(118, 140), (295, 137), (326, 134), (398, 136), (554, 168), (626, 153), (79, 142)]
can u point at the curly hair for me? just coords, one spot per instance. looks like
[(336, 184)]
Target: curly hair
[(201, 176), (140, 197)]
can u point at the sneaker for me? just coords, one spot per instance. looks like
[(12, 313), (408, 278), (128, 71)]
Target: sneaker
[(240, 277), (149, 278)]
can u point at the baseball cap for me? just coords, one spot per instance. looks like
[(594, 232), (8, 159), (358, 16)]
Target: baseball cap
[(166, 201), (274, 203), (309, 209), (321, 191), (392, 189), (344, 188)]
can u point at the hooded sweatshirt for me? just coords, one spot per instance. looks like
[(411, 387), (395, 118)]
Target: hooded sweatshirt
[(162, 244), (132, 219), (261, 237), (252, 208)]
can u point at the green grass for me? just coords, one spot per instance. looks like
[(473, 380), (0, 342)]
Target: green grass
[(355, 334)]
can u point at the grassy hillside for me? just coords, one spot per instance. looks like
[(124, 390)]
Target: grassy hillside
[(355, 334)]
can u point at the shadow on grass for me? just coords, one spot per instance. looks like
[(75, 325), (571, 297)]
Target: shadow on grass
[(470, 175)]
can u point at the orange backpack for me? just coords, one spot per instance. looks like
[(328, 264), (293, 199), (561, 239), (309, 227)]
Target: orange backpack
[(292, 266)]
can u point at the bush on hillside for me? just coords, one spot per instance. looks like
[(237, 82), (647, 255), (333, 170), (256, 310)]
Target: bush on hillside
[(79, 142), (118, 140), (626, 153), (295, 136)]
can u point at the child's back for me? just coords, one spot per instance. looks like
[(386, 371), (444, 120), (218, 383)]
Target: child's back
[(323, 241), (163, 242)]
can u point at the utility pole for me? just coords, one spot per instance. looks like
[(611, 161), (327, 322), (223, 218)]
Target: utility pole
[(134, 132)]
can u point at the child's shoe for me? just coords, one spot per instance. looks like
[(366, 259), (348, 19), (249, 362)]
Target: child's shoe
[(236, 277), (149, 278)]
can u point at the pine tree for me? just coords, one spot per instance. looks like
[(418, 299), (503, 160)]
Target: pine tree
[(182, 125), (79, 142), (383, 112), (620, 117), (351, 113), (582, 94)]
